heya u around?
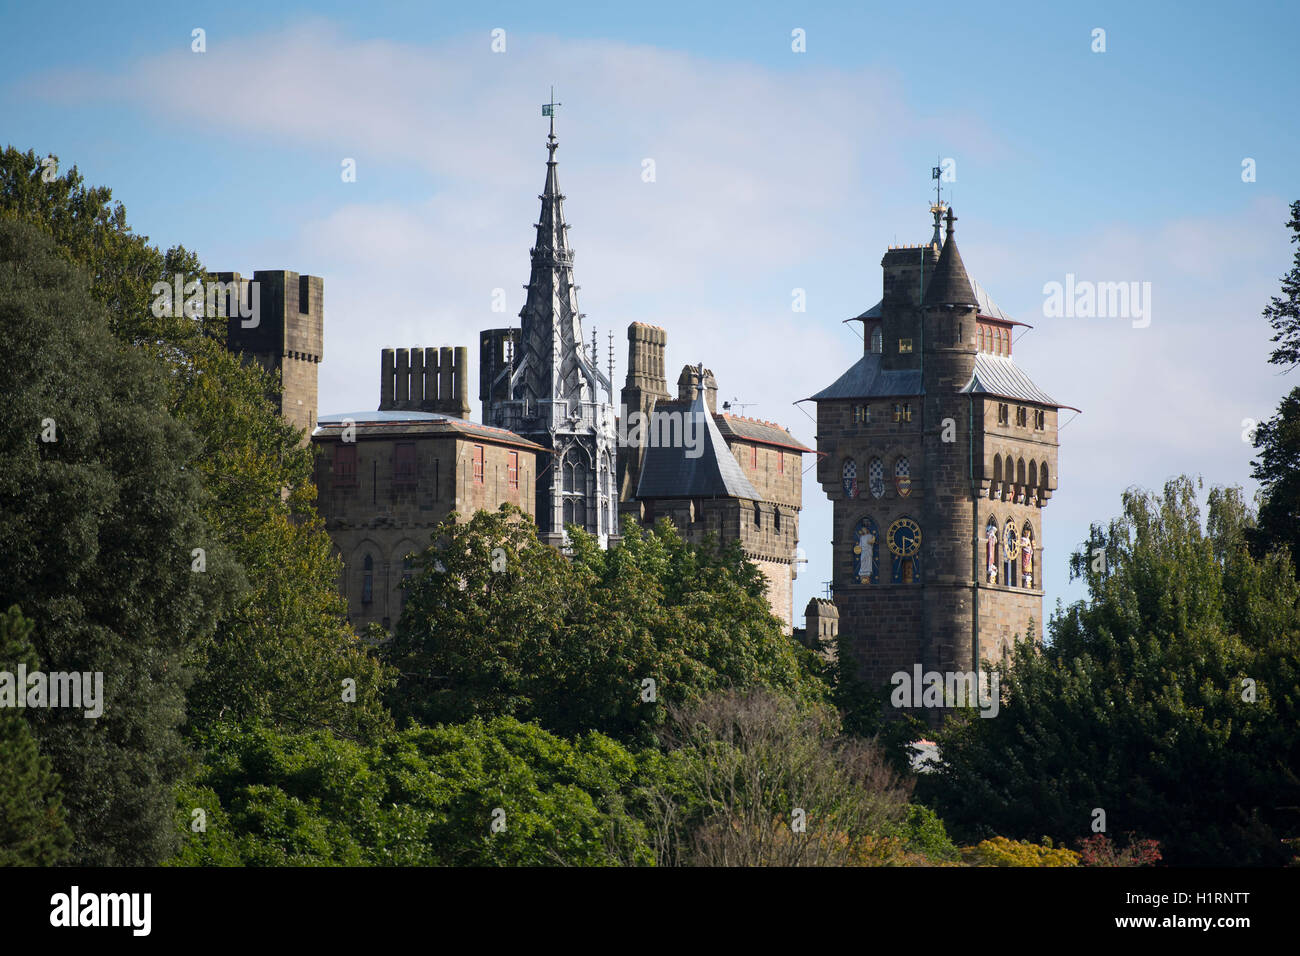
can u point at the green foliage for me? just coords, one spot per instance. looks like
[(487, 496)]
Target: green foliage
[(1277, 469), (420, 797), (569, 643), (1169, 699), (32, 828), (923, 832), (1283, 312), (282, 650), (98, 528)]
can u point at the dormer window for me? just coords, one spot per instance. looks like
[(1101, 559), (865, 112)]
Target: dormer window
[(877, 340)]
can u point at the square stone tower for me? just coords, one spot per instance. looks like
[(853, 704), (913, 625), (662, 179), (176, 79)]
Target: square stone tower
[(938, 454), (286, 335)]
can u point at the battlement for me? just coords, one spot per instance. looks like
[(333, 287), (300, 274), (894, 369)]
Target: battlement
[(289, 309), (425, 380), (906, 268)]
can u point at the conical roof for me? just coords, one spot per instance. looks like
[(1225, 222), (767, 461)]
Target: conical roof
[(950, 285)]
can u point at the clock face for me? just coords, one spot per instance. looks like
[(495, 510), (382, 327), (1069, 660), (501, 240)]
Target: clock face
[(905, 537), (1012, 541)]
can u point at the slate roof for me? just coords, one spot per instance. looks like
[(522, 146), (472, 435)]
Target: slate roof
[(669, 473), (998, 375), (866, 379), (755, 430), (986, 306), (395, 422)]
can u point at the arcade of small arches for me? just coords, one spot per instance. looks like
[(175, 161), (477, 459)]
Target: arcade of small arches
[(874, 477), (902, 541), (994, 339), (1014, 481), (1011, 554)]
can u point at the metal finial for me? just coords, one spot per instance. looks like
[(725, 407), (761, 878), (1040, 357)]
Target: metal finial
[(548, 109)]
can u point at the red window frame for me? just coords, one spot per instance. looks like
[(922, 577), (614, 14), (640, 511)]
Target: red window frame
[(478, 464), (404, 464), (345, 465), (512, 470)]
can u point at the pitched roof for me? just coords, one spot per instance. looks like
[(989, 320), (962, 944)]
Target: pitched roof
[(395, 422), (866, 379), (707, 471), (755, 430), (998, 375)]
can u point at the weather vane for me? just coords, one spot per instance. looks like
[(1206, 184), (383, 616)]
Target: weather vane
[(548, 109)]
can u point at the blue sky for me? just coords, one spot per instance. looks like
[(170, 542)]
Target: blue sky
[(775, 170)]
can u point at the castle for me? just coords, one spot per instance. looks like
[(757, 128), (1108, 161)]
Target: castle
[(939, 454), (549, 442), (937, 451)]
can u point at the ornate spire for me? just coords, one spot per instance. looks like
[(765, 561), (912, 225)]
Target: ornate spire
[(950, 285), (552, 346)]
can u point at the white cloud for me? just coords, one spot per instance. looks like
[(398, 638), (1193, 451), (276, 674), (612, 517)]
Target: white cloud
[(765, 180)]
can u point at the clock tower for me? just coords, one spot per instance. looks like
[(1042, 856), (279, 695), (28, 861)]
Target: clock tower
[(939, 454)]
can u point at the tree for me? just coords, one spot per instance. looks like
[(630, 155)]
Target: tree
[(32, 827), (755, 778), (483, 793), (1277, 441), (1283, 312), (99, 516), (282, 650), (498, 623), (1182, 666)]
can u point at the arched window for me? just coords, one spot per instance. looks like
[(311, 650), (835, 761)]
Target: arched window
[(1020, 471), (367, 580), (866, 552), (758, 516), (991, 550), (1033, 473), (981, 338), (1044, 482), (877, 340), (776, 518), (876, 478), (850, 472), (903, 476)]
